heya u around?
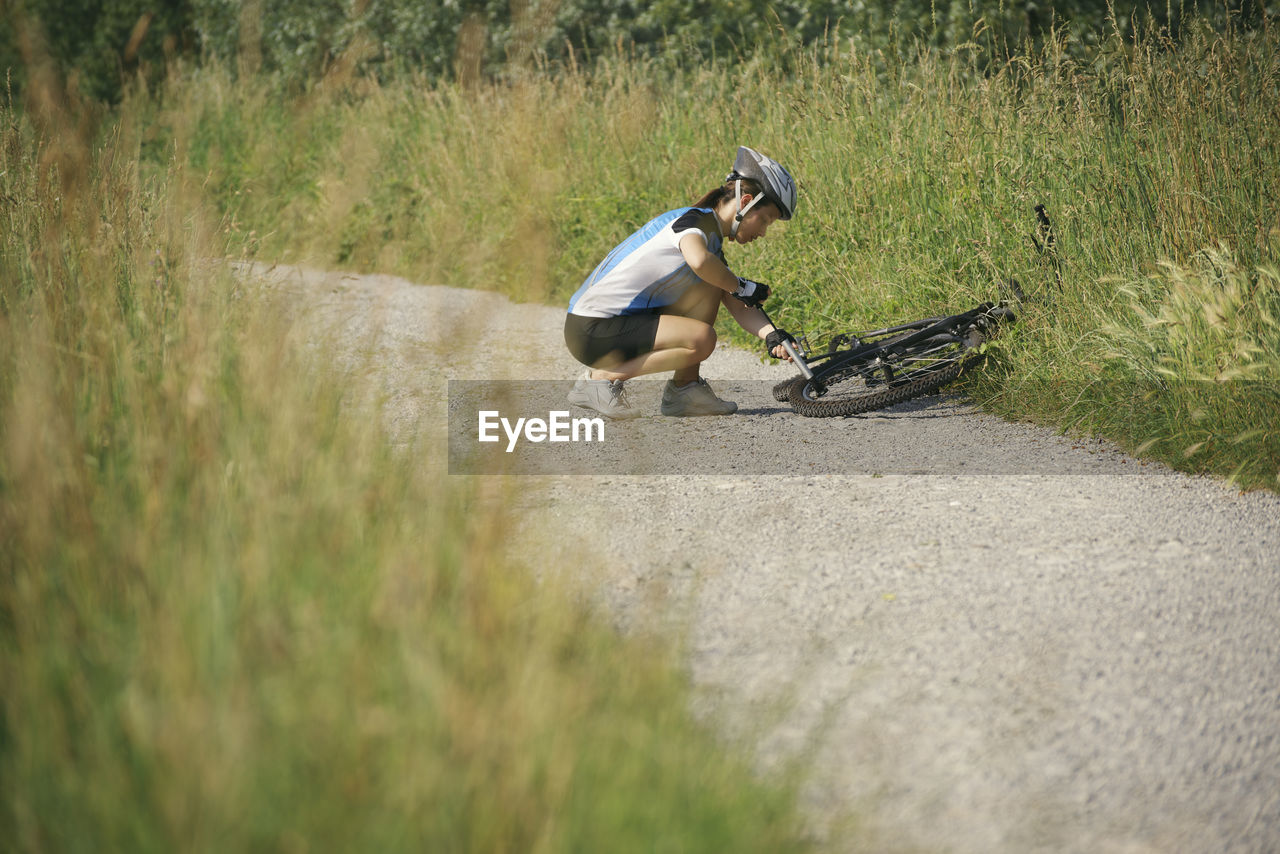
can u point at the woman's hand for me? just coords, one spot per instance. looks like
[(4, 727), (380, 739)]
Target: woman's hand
[(752, 293), (773, 344)]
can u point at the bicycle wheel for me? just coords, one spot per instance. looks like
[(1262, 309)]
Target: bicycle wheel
[(782, 391), (882, 378), (857, 340)]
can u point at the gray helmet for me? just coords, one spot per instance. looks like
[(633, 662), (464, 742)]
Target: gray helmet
[(775, 181)]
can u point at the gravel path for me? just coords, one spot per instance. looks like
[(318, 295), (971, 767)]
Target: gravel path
[(971, 636)]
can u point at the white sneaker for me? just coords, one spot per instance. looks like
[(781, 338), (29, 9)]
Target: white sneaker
[(696, 398), (608, 397)]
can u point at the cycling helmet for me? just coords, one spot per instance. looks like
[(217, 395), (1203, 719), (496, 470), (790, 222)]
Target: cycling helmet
[(775, 182)]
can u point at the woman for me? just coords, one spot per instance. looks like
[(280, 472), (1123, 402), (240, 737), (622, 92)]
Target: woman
[(651, 305)]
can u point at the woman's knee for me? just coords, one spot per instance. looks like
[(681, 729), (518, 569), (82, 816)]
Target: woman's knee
[(685, 333), (704, 342)]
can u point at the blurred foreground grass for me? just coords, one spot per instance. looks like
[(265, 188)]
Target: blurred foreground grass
[(1158, 163), (231, 617)]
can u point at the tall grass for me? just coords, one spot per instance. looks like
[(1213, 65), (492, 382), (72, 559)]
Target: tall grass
[(919, 175), (231, 618)]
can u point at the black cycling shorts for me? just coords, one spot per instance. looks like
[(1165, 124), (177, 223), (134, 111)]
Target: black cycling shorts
[(601, 342)]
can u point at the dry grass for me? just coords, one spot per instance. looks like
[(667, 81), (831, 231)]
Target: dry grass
[(231, 617), (919, 176)]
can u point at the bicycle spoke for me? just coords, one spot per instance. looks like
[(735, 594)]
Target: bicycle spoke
[(895, 364)]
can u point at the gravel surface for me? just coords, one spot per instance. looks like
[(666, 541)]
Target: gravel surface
[(967, 635)]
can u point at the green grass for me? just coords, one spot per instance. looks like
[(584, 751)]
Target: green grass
[(918, 175), (231, 616)]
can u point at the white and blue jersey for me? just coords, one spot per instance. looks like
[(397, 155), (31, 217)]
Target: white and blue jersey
[(647, 271)]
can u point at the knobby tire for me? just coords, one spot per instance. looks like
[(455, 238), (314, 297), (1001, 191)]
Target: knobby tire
[(891, 370), (782, 391), (887, 396)]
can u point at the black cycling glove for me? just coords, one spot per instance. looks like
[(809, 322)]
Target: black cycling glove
[(776, 337), (752, 293)]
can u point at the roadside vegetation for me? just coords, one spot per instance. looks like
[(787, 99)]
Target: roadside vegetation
[(231, 617), (1154, 313)]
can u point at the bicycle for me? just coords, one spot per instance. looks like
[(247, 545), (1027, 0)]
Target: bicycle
[(863, 371)]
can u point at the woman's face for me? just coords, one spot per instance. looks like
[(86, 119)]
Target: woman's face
[(757, 221)]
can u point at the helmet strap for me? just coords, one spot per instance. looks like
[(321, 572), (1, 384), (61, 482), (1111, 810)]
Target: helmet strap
[(742, 212)]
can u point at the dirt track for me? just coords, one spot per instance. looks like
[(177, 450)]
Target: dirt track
[(975, 636)]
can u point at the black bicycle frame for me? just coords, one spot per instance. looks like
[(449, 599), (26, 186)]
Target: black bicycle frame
[(941, 327)]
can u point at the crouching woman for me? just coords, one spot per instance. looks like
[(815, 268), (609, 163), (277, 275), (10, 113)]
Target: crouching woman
[(651, 304)]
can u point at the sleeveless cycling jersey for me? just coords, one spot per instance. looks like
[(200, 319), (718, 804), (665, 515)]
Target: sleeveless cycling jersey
[(647, 271)]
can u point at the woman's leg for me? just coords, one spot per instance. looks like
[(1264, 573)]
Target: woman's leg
[(686, 337), (681, 345)]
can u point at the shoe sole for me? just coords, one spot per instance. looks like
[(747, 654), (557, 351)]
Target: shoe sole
[(685, 414)]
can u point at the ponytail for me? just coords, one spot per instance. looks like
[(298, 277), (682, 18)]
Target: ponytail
[(725, 191)]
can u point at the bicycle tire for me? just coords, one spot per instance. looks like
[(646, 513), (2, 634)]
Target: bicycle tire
[(782, 390), (899, 364), (875, 380), (870, 400)]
